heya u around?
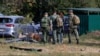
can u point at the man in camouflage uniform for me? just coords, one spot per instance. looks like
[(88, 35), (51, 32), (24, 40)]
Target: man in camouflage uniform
[(72, 27), (45, 26)]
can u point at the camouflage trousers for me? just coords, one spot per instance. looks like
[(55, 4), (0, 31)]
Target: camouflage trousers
[(75, 31), (45, 35)]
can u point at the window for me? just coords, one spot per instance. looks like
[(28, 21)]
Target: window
[(18, 20), (5, 20)]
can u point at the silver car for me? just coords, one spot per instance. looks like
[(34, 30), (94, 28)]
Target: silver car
[(10, 25)]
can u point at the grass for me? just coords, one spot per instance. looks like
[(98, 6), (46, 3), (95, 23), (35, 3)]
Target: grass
[(89, 46)]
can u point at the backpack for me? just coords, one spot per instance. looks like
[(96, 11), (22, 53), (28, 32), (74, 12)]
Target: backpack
[(76, 20), (59, 21), (54, 21)]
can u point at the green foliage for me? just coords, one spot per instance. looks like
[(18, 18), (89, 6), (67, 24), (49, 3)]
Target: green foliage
[(28, 18), (7, 9), (27, 8), (1, 1), (40, 6), (97, 2)]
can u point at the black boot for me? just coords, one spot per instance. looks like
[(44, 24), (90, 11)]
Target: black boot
[(77, 41), (69, 41)]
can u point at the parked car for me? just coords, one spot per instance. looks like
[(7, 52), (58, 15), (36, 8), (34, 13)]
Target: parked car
[(30, 28), (10, 25)]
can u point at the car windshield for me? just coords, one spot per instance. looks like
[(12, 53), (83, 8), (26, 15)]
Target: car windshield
[(5, 20)]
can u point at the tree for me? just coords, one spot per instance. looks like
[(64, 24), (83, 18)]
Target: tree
[(38, 8), (97, 3)]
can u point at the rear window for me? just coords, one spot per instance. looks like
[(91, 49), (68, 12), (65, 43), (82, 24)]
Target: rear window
[(19, 20), (5, 20)]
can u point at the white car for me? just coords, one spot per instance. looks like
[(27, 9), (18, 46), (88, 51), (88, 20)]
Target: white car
[(10, 25)]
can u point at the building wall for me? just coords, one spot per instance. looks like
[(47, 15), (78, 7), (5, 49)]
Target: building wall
[(94, 22), (83, 27), (89, 23)]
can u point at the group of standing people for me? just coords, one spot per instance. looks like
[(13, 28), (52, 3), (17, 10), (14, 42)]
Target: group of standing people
[(52, 27)]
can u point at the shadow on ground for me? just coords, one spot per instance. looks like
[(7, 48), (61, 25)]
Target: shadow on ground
[(90, 44)]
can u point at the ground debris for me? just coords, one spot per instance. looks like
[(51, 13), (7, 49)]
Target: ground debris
[(25, 49)]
